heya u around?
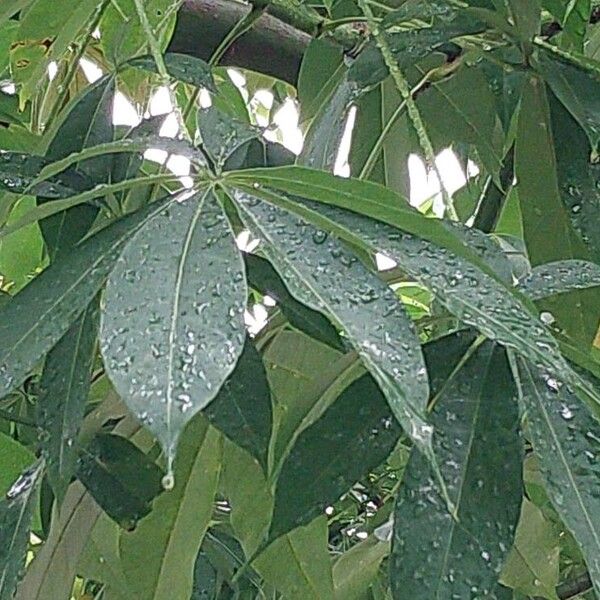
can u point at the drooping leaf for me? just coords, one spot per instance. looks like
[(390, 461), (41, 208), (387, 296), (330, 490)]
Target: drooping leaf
[(45, 309), (16, 510), (88, 123), (164, 366), (242, 409), (183, 67), (323, 465), (158, 557), (324, 275), (565, 439), (544, 214), (560, 277), (264, 278), (64, 387), (120, 477), (436, 555)]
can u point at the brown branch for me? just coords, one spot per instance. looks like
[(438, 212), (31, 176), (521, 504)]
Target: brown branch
[(272, 46)]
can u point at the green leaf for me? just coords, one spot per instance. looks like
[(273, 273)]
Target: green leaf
[(577, 89), (323, 464), (264, 278), (46, 31), (64, 388), (565, 439), (16, 511), (544, 215), (298, 563), (205, 578), (242, 408), (560, 277), (44, 310), (158, 557), (469, 294), (436, 555), (532, 566), (14, 458), (185, 68), (88, 123), (526, 15), (355, 570), (324, 275), (122, 34), (179, 270), (120, 478), (19, 171), (221, 135)]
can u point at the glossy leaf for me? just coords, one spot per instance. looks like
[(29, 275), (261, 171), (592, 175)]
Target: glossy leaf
[(242, 409), (49, 305), (436, 555), (16, 510), (327, 277), (565, 438), (183, 67), (560, 277), (64, 387), (120, 478), (158, 557), (150, 334), (265, 279), (88, 123), (323, 465)]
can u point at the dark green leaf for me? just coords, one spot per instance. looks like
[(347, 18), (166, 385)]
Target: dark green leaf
[(435, 555), (64, 387), (179, 270), (242, 408), (566, 438), (120, 478), (205, 578), (16, 510), (560, 277), (183, 67), (88, 123), (44, 310), (327, 277), (265, 279), (327, 459)]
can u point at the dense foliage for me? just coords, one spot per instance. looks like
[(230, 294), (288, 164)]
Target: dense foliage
[(427, 431)]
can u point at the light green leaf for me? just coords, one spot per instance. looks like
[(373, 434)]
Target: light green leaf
[(16, 510), (158, 557), (298, 564), (14, 458), (44, 310), (565, 439), (64, 387), (436, 556), (179, 270)]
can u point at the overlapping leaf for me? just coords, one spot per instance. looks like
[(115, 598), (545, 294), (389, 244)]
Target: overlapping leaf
[(436, 555)]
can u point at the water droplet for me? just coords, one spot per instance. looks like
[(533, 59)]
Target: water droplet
[(168, 482)]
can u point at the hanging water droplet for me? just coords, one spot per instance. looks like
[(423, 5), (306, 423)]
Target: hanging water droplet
[(168, 482)]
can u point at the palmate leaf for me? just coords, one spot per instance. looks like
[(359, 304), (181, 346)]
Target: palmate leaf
[(566, 440), (436, 556), (16, 510), (323, 465), (43, 311), (320, 272), (64, 388), (173, 326)]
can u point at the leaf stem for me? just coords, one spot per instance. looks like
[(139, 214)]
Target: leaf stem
[(152, 41), (8, 416), (413, 112)]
